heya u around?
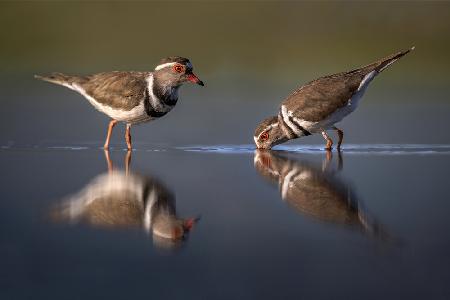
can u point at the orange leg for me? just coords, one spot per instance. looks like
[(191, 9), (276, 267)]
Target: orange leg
[(128, 136), (108, 136), (329, 145), (340, 135)]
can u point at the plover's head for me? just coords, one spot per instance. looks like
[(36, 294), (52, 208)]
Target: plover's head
[(175, 71), (268, 134), (171, 232), (267, 163)]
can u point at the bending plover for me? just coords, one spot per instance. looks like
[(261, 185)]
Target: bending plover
[(132, 97), (318, 105)]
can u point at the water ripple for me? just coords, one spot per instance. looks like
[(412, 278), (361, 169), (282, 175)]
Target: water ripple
[(367, 149), (383, 149)]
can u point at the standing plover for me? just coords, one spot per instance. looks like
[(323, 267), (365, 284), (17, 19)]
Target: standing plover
[(132, 97), (318, 105)]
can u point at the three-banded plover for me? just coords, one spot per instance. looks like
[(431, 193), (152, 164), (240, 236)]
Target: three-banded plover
[(318, 105), (132, 97)]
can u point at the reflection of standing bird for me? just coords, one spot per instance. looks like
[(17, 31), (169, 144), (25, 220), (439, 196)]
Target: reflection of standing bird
[(318, 105), (313, 192), (132, 97), (118, 199)]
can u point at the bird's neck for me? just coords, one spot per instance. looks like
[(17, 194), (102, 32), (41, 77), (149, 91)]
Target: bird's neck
[(166, 92), (280, 134)]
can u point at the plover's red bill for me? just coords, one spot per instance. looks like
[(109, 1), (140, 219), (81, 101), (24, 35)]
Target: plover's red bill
[(318, 105), (132, 97)]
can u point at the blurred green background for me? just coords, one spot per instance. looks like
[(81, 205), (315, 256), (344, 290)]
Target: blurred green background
[(250, 54), (259, 37)]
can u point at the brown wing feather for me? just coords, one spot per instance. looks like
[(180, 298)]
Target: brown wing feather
[(321, 97), (122, 90)]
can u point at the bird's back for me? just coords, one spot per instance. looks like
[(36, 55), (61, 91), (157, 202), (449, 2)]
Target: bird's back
[(119, 90), (318, 99)]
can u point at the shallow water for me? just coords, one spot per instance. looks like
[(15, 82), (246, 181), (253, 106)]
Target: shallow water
[(195, 212), (296, 223)]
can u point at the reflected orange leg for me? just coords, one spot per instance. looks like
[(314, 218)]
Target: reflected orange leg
[(340, 135), (108, 136), (340, 161), (327, 161), (127, 162), (108, 161), (329, 145), (128, 136)]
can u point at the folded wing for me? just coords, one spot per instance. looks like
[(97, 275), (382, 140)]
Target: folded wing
[(121, 90)]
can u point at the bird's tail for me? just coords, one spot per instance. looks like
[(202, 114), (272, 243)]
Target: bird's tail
[(57, 78), (375, 229), (382, 64)]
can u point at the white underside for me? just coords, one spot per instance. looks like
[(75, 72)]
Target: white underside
[(285, 185), (133, 116), (105, 186), (293, 176), (111, 185), (148, 210), (337, 116)]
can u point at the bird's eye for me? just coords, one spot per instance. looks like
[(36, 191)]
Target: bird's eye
[(178, 68), (264, 136)]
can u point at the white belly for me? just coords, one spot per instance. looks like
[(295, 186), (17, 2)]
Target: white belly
[(135, 115)]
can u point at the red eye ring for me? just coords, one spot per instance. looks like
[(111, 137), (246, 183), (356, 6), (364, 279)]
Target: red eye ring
[(178, 68), (264, 136)]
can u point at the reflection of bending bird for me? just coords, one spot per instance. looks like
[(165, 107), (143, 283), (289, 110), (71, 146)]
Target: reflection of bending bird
[(315, 193)]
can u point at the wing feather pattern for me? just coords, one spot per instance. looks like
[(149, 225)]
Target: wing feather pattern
[(120, 90), (319, 98)]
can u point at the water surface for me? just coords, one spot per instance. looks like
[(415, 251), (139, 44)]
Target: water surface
[(195, 212), (291, 223)]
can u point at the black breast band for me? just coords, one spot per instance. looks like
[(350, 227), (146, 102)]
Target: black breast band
[(151, 112), (305, 132)]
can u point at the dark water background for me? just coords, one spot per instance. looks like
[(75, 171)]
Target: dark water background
[(250, 241)]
